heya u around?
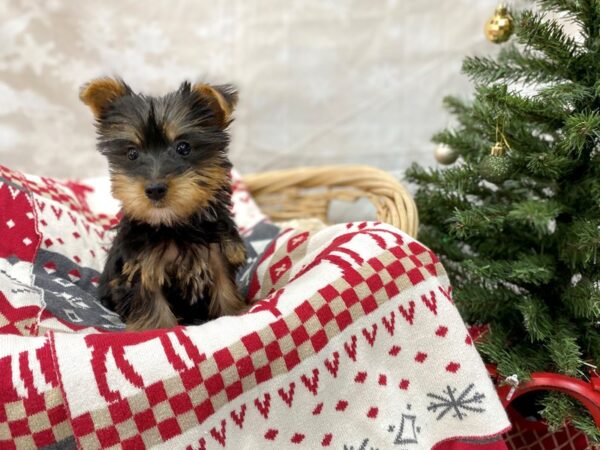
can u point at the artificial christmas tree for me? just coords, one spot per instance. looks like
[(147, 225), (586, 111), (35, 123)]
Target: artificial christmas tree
[(518, 228)]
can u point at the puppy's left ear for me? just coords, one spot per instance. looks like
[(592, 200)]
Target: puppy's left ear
[(221, 99), (98, 94)]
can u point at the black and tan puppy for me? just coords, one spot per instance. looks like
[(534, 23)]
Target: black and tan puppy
[(177, 249)]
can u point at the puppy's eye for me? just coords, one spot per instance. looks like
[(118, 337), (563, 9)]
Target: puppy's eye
[(183, 148), (132, 153)]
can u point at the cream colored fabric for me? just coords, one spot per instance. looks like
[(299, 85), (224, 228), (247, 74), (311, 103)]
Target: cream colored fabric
[(321, 81)]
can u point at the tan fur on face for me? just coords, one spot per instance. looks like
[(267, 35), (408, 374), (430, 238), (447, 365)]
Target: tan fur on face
[(171, 131), (99, 93), (124, 132), (186, 194)]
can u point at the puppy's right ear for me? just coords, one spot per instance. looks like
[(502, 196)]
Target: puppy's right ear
[(100, 93), (221, 100)]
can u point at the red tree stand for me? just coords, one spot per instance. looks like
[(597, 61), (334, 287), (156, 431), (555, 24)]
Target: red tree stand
[(534, 435)]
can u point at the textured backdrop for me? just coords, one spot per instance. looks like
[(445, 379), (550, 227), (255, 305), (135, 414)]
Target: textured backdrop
[(321, 81)]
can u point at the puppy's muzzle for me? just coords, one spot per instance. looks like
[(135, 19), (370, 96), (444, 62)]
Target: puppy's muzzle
[(156, 191)]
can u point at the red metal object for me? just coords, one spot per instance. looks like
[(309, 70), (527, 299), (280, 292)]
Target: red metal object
[(534, 435), (588, 393)]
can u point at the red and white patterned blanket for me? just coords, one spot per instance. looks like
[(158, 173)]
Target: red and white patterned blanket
[(353, 341)]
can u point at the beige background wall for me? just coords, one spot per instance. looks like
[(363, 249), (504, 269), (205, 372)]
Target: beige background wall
[(321, 81)]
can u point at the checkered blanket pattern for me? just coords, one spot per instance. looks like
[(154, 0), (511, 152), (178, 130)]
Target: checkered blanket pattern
[(352, 343)]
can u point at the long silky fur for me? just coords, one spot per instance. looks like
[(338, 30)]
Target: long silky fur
[(173, 260)]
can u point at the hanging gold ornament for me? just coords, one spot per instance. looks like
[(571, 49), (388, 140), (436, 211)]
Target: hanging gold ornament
[(500, 26), (496, 166), (445, 155)]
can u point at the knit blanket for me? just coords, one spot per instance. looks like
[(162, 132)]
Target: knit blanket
[(352, 342)]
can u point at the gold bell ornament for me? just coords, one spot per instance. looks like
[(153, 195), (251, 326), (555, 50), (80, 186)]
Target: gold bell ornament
[(500, 26)]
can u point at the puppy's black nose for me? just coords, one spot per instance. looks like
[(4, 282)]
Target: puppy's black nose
[(156, 191)]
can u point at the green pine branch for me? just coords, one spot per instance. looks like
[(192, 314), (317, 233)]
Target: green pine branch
[(513, 65), (529, 269), (582, 298), (536, 318), (547, 37), (566, 96), (468, 296), (511, 356), (538, 214), (564, 349), (581, 131), (522, 253), (580, 244), (558, 409), (571, 9)]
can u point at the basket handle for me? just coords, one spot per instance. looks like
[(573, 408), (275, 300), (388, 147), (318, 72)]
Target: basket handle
[(393, 202)]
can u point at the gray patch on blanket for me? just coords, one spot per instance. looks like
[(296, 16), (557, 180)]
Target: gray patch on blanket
[(257, 240), (66, 444), (70, 293)]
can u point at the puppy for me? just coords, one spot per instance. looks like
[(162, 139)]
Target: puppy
[(176, 251)]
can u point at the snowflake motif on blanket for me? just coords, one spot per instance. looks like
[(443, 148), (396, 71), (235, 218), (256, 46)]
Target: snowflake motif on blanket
[(460, 405)]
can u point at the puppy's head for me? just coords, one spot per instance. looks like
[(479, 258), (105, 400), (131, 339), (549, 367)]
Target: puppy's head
[(167, 155)]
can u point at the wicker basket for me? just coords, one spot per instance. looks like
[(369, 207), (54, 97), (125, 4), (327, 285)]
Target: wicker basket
[(307, 193)]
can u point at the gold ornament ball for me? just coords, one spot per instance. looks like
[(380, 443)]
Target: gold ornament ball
[(445, 155), (496, 167), (500, 26)]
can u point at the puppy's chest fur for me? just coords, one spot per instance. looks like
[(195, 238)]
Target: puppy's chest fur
[(165, 276), (187, 269)]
